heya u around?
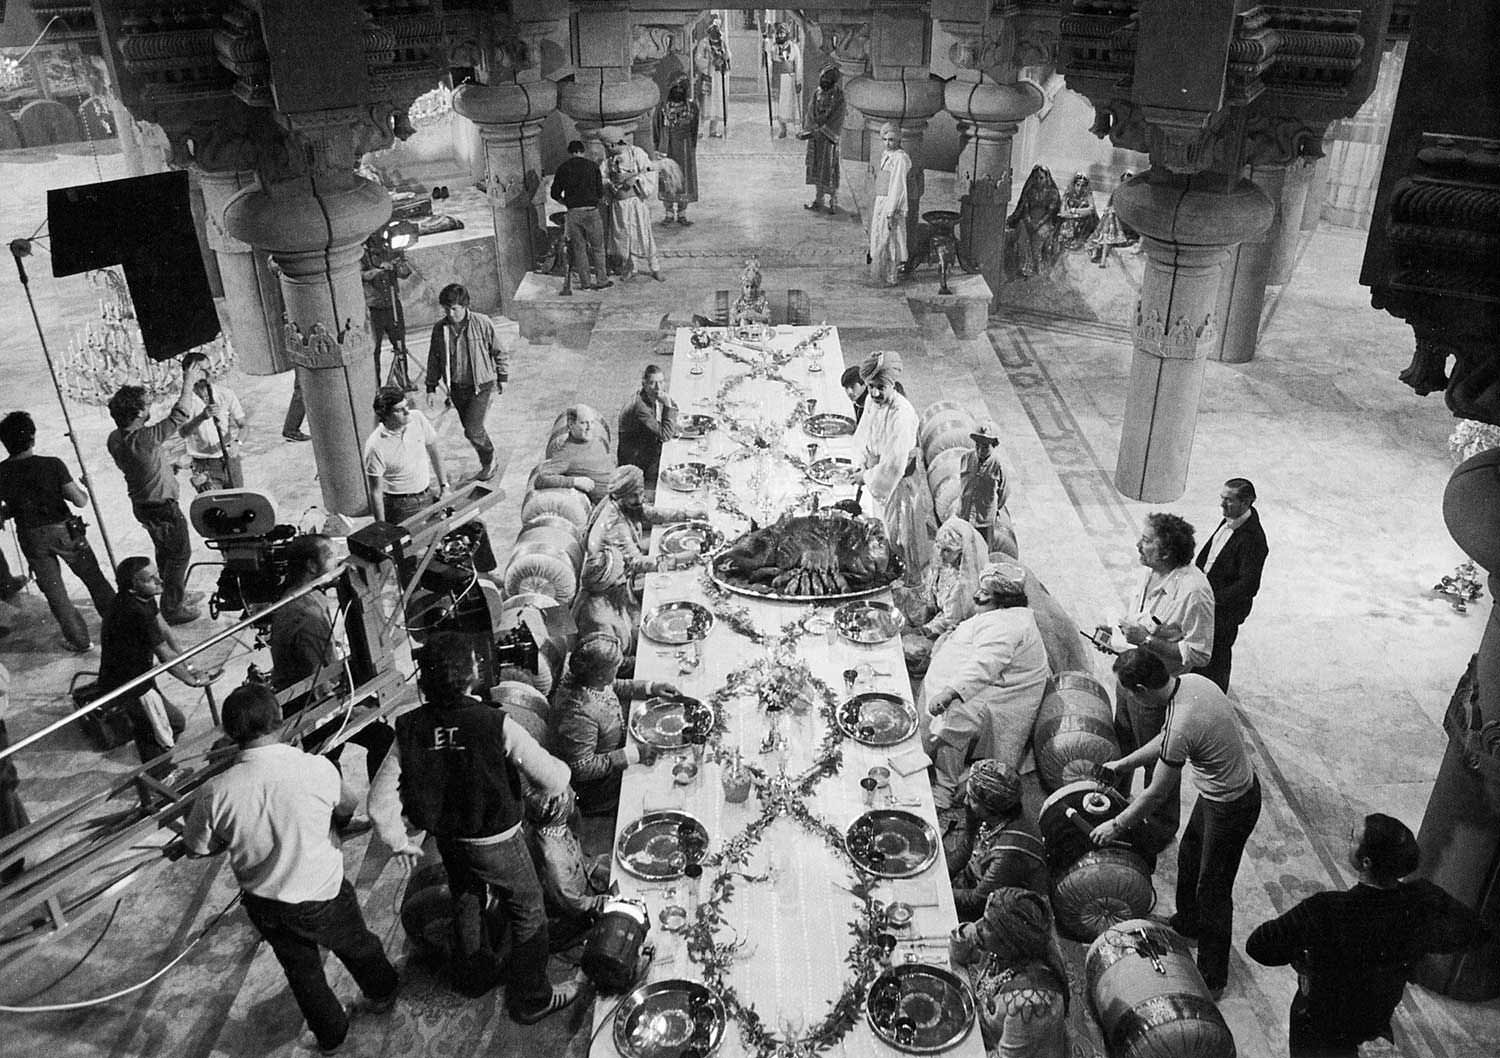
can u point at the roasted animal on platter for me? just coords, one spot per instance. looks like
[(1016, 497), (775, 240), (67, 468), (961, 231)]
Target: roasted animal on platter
[(811, 555)]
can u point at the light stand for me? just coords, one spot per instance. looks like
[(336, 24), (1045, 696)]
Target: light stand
[(398, 236), (20, 248)]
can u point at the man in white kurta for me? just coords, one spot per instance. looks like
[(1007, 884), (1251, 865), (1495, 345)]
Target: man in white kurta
[(785, 58), (985, 683), (888, 214), (886, 439), (630, 180)]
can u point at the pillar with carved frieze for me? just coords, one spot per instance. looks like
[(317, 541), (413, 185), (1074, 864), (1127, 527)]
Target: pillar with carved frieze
[(509, 117), (1188, 224), (253, 307), (315, 232), (908, 104)]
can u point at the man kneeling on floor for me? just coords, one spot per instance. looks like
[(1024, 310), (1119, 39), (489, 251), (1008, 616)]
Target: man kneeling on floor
[(458, 766)]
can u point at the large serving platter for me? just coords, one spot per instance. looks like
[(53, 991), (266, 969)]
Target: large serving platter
[(877, 718), (920, 1009), (655, 846), (765, 591), (890, 843), (677, 623), (670, 1019)]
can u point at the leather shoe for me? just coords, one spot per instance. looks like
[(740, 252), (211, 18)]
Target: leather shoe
[(486, 472), (182, 617), (10, 586), (603, 286), (295, 435)]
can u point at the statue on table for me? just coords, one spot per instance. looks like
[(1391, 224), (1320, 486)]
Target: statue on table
[(751, 310), (1079, 216), (1031, 230)]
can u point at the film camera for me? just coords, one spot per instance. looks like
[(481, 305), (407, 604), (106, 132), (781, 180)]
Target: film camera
[(240, 524)]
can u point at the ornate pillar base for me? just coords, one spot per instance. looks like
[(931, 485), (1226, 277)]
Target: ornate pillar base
[(509, 116), (316, 240), (1187, 225)]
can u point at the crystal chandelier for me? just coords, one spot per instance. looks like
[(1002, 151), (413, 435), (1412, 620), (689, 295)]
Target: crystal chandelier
[(107, 352)]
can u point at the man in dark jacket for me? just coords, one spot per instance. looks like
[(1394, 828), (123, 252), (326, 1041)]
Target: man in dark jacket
[(458, 767), (466, 354), (1353, 950), (1233, 558)]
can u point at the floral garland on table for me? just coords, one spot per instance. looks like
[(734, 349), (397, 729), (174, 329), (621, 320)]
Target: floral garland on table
[(865, 958)]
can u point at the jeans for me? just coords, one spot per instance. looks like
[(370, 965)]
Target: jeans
[(1136, 723), (43, 546), (472, 406), (584, 231), (399, 508), (296, 411), (506, 870), (1208, 858), (168, 531), (296, 932)]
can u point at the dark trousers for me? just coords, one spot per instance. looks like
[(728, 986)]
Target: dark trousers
[(1226, 631), (1208, 858), (147, 745), (1308, 1039), (383, 324), (504, 869), (1136, 723), (585, 234), (297, 932), (296, 411), (47, 547), (400, 507), (472, 406), (168, 531)]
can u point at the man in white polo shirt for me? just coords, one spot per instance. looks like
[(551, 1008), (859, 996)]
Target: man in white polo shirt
[(1201, 730), (274, 811), (402, 462)]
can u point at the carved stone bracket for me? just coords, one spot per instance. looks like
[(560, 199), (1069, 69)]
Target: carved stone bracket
[(318, 347), (1183, 339)]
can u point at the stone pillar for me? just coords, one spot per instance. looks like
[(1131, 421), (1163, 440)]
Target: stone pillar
[(989, 116), (253, 307), (316, 238), (1295, 195), (1243, 278), (509, 117), (1317, 192), (909, 103), (1188, 223)]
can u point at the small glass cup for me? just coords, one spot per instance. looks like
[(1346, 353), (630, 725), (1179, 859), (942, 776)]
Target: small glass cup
[(867, 787)]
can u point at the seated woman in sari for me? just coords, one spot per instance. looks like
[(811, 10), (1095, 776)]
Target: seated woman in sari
[(945, 595)]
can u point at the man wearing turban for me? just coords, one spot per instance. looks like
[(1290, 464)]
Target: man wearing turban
[(1020, 982), (622, 521), (999, 844), (785, 58), (985, 682), (630, 181), (605, 602), (822, 126), (888, 213), (895, 487)]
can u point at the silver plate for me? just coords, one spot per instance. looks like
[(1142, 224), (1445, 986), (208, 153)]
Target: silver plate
[(876, 718), (652, 846), (920, 1009), (868, 622), (834, 471), (684, 477), (890, 843), (828, 424), (695, 426), (690, 540), (662, 723), (666, 1019), (676, 623)]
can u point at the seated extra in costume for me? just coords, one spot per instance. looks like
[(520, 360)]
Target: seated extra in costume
[(623, 520), (945, 597), (996, 844), (1020, 983), (752, 306), (605, 602), (1079, 215)]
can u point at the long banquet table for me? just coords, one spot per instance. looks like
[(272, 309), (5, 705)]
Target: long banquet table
[(792, 908)]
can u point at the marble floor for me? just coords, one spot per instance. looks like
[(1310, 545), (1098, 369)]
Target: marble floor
[(1341, 674)]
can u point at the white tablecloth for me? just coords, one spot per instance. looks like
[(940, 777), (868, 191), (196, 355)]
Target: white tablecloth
[(796, 925)]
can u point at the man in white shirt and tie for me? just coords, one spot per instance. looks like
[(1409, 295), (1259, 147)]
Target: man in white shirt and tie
[(1233, 559)]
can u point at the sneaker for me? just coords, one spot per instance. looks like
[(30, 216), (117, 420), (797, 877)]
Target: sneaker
[(562, 996), (816, 207), (11, 586), (77, 648), (185, 616), (295, 435), (486, 472)]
